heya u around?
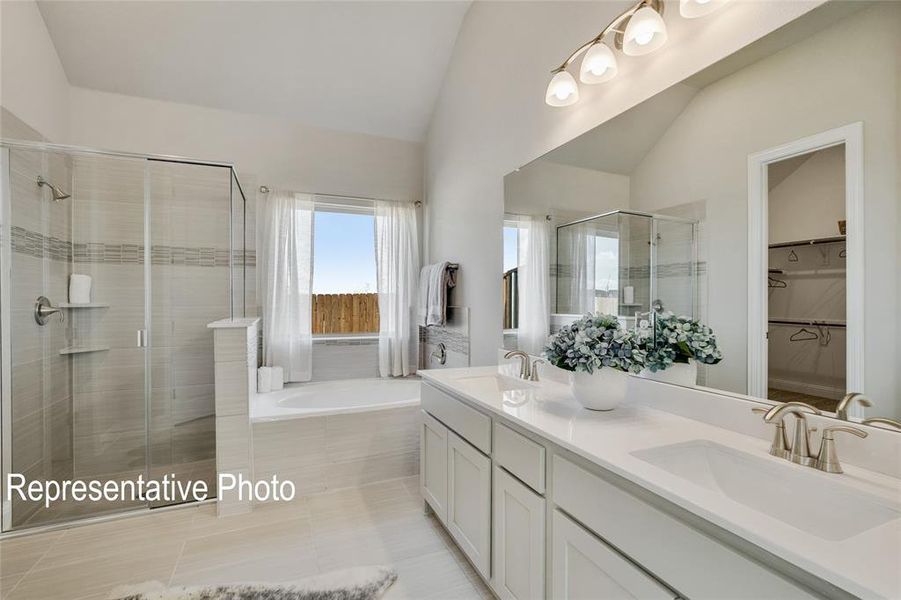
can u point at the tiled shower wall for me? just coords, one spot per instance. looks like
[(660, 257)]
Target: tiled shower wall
[(82, 415), (40, 377)]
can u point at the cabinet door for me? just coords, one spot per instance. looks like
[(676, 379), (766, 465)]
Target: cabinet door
[(469, 501), (518, 539), (585, 568), (433, 464)]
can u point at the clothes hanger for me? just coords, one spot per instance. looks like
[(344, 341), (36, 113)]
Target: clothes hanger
[(843, 253), (792, 257), (825, 334), (775, 283), (809, 335)]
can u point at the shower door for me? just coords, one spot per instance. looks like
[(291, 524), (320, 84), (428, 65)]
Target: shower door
[(121, 386), (73, 386)]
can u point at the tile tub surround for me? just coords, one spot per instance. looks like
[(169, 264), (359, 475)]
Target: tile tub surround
[(376, 524), (323, 453), (235, 347), (864, 565), (454, 335)]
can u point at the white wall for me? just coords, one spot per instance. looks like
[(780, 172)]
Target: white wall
[(846, 73), (544, 187), (33, 85), (491, 118), (811, 200), (279, 153)]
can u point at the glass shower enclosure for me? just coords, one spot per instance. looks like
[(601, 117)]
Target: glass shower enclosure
[(117, 381), (627, 264)]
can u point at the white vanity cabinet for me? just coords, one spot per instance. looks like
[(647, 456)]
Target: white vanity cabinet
[(469, 501), (518, 539), (585, 568), (538, 521), (433, 464)]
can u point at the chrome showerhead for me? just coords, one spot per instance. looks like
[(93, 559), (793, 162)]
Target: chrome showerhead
[(58, 194)]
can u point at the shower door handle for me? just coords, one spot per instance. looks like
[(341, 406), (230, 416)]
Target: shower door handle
[(142, 338)]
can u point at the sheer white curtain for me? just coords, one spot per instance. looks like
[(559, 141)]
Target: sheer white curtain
[(286, 280), (583, 242), (534, 266), (397, 264)]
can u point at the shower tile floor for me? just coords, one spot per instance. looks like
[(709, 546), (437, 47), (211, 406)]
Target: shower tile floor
[(382, 523)]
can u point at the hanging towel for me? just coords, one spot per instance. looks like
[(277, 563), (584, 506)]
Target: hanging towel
[(424, 275), (439, 281)]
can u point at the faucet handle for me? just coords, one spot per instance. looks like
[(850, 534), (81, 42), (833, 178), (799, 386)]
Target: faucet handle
[(533, 370), (779, 446), (796, 408), (827, 459), (882, 421)]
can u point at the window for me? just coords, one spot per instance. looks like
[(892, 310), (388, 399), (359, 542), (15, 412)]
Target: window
[(606, 274), (511, 274), (345, 298)]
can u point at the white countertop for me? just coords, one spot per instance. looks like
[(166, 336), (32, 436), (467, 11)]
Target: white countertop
[(866, 565)]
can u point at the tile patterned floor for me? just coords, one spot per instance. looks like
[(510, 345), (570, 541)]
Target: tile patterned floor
[(382, 523)]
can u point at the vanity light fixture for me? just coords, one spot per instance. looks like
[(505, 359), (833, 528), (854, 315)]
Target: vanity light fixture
[(638, 31), (692, 9)]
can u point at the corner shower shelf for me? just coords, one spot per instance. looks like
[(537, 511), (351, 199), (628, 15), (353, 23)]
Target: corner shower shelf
[(85, 305), (83, 349)]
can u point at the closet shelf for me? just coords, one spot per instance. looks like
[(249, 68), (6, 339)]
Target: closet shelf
[(811, 242), (85, 305), (82, 349)]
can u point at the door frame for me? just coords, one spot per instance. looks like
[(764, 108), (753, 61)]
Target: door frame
[(851, 136)]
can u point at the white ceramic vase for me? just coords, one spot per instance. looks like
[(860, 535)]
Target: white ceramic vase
[(684, 374), (605, 389)]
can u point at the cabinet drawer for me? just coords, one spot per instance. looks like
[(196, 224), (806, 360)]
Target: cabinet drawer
[(469, 423), (585, 567), (687, 559), (519, 455)]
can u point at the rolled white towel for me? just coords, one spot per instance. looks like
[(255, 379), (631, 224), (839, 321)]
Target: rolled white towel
[(264, 380), (277, 379), (79, 288)]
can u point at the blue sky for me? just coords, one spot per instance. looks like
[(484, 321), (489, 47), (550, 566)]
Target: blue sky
[(343, 253)]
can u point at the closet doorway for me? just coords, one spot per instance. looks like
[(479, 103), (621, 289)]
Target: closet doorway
[(807, 201)]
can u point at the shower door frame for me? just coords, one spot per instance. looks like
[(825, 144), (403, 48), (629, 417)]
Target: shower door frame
[(6, 146)]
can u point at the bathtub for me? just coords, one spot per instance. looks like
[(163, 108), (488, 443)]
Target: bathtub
[(334, 397), (337, 434)]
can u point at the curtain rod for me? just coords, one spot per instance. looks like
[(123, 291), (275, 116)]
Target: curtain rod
[(265, 190)]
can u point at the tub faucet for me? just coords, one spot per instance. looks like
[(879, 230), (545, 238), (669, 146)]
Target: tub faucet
[(525, 370)]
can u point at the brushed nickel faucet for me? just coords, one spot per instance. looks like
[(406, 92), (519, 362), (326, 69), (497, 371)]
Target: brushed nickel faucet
[(841, 411), (882, 421), (525, 369), (799, 451), (533, 370)]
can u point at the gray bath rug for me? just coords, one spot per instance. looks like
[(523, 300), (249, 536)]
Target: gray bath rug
[(360, 583)]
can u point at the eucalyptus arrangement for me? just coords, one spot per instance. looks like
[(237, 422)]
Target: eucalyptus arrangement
[(676, 339), (594, 342), (599, 353)]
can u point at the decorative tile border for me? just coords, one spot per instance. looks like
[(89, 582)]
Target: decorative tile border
[(38, 245), (683, 269), (454, 340)]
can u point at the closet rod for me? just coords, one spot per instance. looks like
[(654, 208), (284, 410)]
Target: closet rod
[(838, 324), (811, 242)]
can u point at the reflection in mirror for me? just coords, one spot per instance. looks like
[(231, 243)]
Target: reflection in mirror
[(742, 197), (806, 279)]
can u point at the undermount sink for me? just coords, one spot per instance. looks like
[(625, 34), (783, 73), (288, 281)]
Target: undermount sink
[(502, 383), (811, 501)]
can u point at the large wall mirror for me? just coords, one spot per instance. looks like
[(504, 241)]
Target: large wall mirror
[(760, 197)]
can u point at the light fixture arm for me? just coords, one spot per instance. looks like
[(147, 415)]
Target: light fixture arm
[(612, 27)]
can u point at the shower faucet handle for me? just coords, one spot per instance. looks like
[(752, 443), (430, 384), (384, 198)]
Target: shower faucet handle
[(43, 310)]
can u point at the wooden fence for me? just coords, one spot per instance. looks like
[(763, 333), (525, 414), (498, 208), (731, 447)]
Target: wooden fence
[(345, 313)]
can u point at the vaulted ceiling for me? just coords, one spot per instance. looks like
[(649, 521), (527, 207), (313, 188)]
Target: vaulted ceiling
[(368, 67)]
